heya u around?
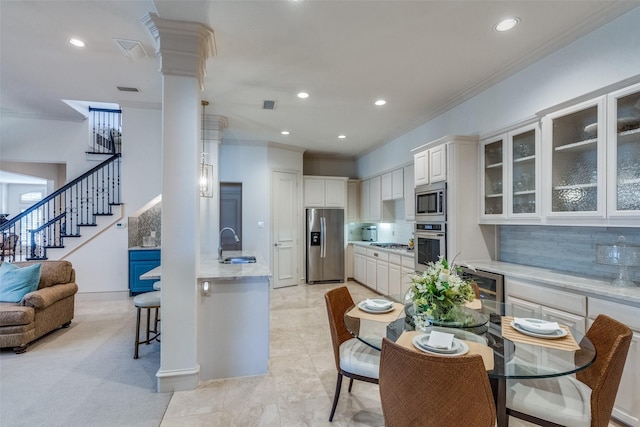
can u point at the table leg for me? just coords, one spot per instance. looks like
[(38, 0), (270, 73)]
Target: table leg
[(499, 388)]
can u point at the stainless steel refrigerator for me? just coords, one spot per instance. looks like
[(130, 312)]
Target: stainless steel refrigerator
[(325, 245)]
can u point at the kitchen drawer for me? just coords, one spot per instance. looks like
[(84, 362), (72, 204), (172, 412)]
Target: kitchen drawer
[(395, 259), (408, 262), (360, 250), (144, 254), (380, 255), (562, 300), (626, 314)]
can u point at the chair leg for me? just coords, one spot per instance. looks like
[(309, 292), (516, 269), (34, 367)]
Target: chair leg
[(336, 396), (148, 323), (350, 384), (135, 354)]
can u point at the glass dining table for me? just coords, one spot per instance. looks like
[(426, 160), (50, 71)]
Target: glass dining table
[(507, 353)]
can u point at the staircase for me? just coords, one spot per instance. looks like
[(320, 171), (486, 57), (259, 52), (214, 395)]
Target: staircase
[(67, 218)]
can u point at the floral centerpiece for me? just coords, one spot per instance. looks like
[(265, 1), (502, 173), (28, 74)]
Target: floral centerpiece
[(438, 292)]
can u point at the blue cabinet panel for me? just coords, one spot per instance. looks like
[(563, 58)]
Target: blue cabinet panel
[(140, 262)]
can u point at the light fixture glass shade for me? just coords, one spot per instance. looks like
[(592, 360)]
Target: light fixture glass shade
[(206, 180)]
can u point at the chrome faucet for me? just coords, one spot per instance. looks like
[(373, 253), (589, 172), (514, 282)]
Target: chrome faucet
[(235, 236)]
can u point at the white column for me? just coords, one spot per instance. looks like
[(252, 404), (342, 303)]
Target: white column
[(182, 48)]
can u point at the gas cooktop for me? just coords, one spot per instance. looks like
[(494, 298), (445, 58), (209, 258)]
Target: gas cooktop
[(390, 245)]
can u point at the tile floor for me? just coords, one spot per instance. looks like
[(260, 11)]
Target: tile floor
[(298, 390)]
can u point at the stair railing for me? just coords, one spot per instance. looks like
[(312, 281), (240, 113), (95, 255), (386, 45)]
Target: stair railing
[(106, 131), (62, 213)]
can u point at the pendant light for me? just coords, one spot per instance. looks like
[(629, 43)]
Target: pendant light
[(206, 170)]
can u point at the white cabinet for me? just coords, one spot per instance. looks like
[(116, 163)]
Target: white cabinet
[(382, 277), (365, 200), (421, 168), (623, 153), (378, 271), (627, 405), (553, 304), (510, 177), (430, 165), (325, 192), (353, 201), (386, 186), (395, 274), (397, 184), (438, 164), (574, 150), (409, 194), (373, 209), (360, 264), (392, 186), (375, 198)]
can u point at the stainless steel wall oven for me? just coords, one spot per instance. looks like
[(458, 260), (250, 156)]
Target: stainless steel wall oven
[(430, 241)]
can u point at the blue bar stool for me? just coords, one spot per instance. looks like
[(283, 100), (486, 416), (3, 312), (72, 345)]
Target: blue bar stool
[(148, 301)]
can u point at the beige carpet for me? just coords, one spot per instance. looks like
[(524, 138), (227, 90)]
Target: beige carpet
[(84, 375)]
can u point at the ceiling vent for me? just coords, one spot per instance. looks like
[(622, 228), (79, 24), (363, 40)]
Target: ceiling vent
[(269, 105), (132, 49), (128, 89)]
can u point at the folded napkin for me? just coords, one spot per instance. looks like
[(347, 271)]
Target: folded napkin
[(539, 326), (440, 340), (377, 304)]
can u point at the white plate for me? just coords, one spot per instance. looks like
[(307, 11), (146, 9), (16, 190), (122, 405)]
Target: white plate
[(529, 324), (422, 340), (557, 334), (460, 346), (362, 306)]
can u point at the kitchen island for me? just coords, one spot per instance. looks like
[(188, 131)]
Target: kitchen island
[(233, 316)]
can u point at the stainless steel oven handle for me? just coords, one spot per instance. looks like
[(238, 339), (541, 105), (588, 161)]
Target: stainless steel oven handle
[(431, 235)]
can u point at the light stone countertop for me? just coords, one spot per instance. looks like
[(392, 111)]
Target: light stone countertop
[(211, 269), (595, 287), (402, 252)]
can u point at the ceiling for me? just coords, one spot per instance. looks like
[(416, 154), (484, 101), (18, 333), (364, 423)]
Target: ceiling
[(422, 57)]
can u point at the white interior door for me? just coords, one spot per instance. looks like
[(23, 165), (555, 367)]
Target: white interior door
[(285, 223)]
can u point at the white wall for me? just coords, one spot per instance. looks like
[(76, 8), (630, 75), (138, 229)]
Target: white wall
[(248, 164), (102, 264), (604, 57)]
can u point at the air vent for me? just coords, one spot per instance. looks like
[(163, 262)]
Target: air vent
[(269, 105), (132, 49), (128, 89)]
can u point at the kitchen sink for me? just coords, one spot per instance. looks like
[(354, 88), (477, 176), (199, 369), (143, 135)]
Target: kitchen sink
[(238, 260)]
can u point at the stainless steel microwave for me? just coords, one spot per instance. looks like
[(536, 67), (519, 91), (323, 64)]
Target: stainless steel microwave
[(431, 202)]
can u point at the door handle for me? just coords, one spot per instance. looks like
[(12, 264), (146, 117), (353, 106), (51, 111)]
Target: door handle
[(276, 244)]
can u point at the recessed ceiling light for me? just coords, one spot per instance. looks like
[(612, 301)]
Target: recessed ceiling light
[(77, 42), (507, 24), (342, 136), (303, 95), (380, 102), (285, 132)]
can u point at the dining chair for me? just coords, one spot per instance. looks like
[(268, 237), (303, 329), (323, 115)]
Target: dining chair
[(584, 400), (419, 389), (354, 359)]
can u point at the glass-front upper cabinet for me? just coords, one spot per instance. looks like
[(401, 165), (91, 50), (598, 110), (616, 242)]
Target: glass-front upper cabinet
[(493, 178), (524, 164), (623, 156), (575, 153)]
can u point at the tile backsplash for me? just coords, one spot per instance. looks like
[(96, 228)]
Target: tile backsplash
[(142, 226), (569, 249)]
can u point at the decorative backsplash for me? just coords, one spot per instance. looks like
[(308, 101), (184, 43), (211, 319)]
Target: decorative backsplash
[(144, 225), (568, 249)]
